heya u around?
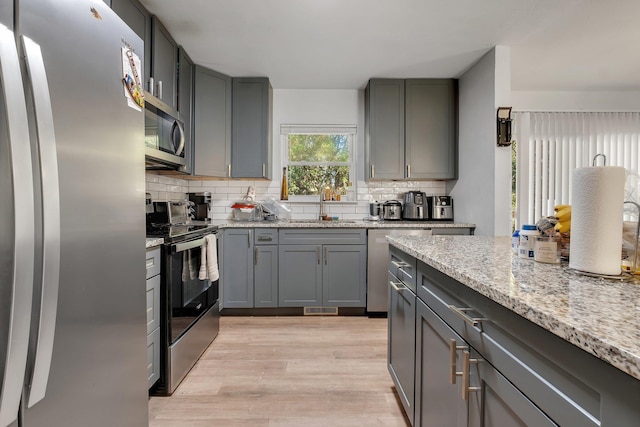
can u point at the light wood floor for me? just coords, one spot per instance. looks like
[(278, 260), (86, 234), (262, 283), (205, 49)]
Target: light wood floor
[(287, 371)]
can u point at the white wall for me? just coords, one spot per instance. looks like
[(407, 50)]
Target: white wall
[(482, 193)]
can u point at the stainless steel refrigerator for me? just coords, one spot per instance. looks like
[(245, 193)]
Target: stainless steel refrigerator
[(72, 186)]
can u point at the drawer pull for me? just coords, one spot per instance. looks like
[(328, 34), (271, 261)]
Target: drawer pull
[(397, 286), (466, 368), (453, 352), (461, 312), (400, 264)]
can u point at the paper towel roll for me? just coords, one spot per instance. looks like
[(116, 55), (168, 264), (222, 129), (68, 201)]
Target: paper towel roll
[(596, 219)]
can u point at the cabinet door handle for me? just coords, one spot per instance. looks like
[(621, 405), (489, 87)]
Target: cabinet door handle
[(264, 170), (318, 254), (249, 239), (461, 312), (408, 171), (373, 171), (397, 286), (453, 352), (325, 256), (255, 256), (229, 170), (466, 370)]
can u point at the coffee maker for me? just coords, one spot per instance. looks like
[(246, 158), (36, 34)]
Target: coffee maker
[(199, 206)]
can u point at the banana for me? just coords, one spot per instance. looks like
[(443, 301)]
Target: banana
[(564, 214), (561, 207), (563, 227)]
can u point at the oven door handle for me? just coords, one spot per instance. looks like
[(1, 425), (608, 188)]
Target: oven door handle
[(181, 247)]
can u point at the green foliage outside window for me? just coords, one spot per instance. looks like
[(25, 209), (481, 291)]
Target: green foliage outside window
[(317, 161)]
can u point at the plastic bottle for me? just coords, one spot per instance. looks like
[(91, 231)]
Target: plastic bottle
[(526, 248), (515, 241)]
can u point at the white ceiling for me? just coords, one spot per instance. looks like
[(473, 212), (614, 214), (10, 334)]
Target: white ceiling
[(340, 44)]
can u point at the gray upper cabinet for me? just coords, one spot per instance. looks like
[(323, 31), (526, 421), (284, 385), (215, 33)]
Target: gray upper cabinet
[(384, 122), (411, 129), (251, 137), (164, 63), (185, 104), (212, 123), (430, 126), (139, 20)]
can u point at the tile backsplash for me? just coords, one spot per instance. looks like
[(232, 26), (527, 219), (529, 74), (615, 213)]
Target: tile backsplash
[(225, 192)]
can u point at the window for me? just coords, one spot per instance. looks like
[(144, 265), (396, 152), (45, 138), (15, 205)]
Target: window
[(317, 157), (551, 145)]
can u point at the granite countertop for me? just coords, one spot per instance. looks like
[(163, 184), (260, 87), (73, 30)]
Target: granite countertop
[(600, 316), (154, 241), (311, 223)]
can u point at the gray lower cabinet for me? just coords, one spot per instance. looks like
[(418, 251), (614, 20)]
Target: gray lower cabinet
[(479, 364), (212, 123), (237, 268), (323, 267), (251, 137), (153, 315), (401, 348), (265, 274)]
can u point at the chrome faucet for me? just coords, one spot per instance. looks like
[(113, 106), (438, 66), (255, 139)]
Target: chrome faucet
[(321, 214)]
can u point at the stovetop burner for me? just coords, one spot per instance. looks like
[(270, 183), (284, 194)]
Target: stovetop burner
[(178, 232)]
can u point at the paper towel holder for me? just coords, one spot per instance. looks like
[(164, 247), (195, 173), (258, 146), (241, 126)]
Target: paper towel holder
[(595, 159)]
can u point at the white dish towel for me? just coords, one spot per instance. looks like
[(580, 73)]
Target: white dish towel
[(209, 259)]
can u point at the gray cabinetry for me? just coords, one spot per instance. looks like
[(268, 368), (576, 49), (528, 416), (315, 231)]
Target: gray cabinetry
[(401, 330), (138, 19), (430, 129), (164, 63), (153, 315), (265, 256), (185, 104), (212, 123), (251, 136), (300, 281), (237, 268), (384, 120), (322, 268), (411, 129)]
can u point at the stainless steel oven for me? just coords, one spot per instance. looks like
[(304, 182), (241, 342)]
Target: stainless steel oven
[(189, 305)]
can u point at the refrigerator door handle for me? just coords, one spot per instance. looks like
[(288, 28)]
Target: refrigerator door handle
[(24, 234), (50, 220)]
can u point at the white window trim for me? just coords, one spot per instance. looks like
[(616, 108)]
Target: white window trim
[(293, 129)]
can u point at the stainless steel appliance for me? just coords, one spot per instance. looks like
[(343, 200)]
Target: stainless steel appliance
[(441, 207), (199, 206), (378, 263), (375, 211), (168, 213), (189, 305), (164, 136), (72, 319), (415, 206), (392, 210)]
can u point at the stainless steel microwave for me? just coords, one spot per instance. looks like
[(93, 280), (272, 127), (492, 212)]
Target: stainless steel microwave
[(164, 137)]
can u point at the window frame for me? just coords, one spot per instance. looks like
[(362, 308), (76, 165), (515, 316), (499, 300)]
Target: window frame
[(350, 130)]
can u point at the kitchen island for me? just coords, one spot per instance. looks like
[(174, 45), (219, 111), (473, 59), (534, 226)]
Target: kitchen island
[(566, 345)]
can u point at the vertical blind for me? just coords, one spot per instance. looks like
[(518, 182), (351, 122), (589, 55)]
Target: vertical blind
[(550, 145)]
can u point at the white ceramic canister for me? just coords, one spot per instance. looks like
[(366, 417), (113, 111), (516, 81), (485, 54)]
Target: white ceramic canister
[(527, 246)]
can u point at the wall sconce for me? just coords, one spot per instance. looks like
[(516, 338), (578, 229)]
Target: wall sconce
[(504, 126)]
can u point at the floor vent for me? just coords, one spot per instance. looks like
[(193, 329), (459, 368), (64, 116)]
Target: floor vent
[(321, 311)]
